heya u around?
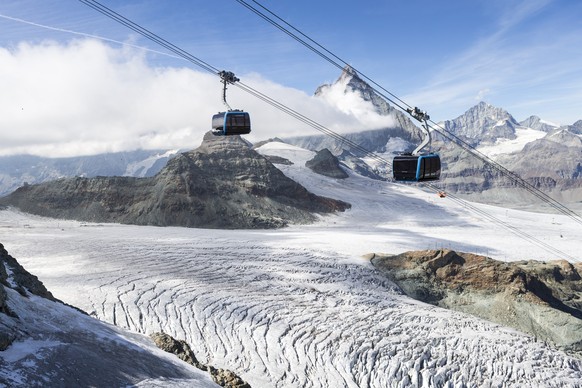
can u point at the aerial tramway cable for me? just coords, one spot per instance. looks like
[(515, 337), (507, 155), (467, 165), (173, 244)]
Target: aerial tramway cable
[(293, 113), (402, 105)]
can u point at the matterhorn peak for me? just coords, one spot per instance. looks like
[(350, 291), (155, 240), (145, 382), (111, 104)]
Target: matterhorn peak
[(348, 72)]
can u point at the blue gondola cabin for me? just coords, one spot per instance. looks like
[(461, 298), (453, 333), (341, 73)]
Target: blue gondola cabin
[(232, 122), (416, 168)]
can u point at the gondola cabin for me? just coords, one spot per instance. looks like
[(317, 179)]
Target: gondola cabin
[(416, 168), (232, 122)]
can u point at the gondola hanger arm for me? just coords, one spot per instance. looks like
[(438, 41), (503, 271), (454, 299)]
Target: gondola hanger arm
[(227, 77), (423, 117)]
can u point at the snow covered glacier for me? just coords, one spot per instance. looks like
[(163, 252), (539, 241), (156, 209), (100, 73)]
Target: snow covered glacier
[(301, 306)]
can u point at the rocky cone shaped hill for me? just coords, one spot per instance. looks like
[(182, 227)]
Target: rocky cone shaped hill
[(325, 163), (222, 184)]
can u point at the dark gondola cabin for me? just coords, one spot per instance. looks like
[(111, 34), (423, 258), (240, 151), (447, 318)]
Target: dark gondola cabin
[(232, 122), (416, 168)]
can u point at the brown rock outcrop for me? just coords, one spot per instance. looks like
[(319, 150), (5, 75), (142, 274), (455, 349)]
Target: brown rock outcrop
[(543, 299), (222, 377)]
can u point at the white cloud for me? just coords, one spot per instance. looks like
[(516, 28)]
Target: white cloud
[(85, 97), (354, 106)]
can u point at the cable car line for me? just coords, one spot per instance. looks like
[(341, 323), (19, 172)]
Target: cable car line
[(150, 35), (338, 62), (184, 54), (314, 124), (514, 177), (406, 167), (436, 127), (417, 166), (513, 229)]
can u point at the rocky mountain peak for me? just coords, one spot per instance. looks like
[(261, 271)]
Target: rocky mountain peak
[(483, 123), (349, 82), (348, 73), (576, 127), (534, 122), (222, 184)]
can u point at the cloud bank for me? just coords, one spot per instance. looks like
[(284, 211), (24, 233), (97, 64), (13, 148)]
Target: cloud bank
[(86, 97)]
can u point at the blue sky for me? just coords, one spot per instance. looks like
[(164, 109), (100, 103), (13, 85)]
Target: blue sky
[(443, 56)]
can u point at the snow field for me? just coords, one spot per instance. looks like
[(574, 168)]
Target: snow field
[(300, 306)]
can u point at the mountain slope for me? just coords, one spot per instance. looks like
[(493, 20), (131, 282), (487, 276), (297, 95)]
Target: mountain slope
[(45, 343), (534, 122), (222, 184)]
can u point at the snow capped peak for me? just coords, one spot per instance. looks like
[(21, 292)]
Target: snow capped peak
[(483, 123), (348, 72), (355, 96)]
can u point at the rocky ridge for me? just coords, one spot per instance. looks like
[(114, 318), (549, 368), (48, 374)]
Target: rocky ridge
[(222, 184), (535, 122), (18, 170), (542, 299)]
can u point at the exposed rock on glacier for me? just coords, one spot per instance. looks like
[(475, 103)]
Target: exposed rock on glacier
[(222, 184), (223, 377), (542, 299)]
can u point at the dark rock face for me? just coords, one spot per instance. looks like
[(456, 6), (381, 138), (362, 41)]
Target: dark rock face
[(179, 348), (222, 377), (542, 299), (222, 184), (325, 163), (13, 275), (359, 166), (278, 160)]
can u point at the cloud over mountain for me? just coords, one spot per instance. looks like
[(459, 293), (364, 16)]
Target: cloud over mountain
[(86, 97)]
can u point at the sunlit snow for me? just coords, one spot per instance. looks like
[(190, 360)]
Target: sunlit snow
[(300, 306), (507, 146)]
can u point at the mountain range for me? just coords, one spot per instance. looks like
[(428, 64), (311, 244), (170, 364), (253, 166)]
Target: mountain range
[(546, 155)]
